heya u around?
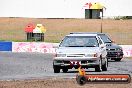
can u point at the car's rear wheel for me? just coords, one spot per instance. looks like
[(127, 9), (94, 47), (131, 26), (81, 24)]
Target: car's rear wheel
[(105, 66), (118, 59), (56, 69), (98, 68), (65, 70)]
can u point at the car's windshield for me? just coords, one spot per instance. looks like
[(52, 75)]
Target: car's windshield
[(105, 39), (79, 41)]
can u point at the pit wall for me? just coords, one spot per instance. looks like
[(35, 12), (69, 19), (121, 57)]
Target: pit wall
[(43, 47)]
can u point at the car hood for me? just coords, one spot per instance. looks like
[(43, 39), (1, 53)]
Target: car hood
[(112, 45), (77, 50)]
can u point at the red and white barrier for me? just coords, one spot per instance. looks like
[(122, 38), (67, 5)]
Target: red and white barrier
[(50, 48), (127, 50), (32, 47)]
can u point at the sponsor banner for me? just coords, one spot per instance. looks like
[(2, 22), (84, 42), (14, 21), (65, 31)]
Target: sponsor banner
[(103, 78), (49, 47), (32, 47), (83, 78), (5, 46), (127, 50)]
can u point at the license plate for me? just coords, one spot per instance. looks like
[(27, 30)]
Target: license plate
[(75, 62)]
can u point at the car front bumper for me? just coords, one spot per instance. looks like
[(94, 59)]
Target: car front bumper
[(76, 62), (114, 54)]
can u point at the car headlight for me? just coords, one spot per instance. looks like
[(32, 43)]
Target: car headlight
[(91, 55), (61, 55), (119, 49)]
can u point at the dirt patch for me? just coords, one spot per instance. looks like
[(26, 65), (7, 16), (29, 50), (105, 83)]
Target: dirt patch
[(56, 83)]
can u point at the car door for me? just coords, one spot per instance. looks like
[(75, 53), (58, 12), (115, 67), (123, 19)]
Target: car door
[(102, 47)]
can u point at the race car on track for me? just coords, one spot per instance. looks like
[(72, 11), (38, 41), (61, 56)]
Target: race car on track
[(85, 50), (114, 51)]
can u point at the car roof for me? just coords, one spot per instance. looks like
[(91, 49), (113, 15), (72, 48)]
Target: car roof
[(84, 34)]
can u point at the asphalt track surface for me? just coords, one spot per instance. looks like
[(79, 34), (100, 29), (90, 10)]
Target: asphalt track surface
[(17, 66)]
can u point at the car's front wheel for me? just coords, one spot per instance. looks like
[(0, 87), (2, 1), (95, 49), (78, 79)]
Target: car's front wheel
[(56, 69), (105, 66), (98, 68), (65, 70)]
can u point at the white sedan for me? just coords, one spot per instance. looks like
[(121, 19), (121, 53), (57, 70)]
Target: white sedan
[(85, 50)]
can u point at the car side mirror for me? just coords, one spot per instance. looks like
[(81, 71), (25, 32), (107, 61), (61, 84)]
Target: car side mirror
[(113, 41), (102, 45)]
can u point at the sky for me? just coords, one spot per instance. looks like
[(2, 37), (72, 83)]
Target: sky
[(60, 8)]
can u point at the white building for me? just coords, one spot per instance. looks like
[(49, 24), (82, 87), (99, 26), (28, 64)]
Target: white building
[(60, 8)]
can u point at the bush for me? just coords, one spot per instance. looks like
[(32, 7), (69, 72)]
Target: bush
[(122, 17)]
